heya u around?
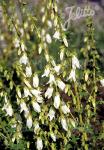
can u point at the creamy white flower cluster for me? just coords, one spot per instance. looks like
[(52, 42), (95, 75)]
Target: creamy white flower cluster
[(30, 90), (58, 103), (53, 80), (36, 97)]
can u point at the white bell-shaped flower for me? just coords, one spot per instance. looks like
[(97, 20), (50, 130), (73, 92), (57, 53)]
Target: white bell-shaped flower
[(26, 113), (64, 124), (57, 101), (51, 114), (61, 55), (36, 107), (43, 32), (28, 71), (49, 23), (51, 79), (26, 92), (49, 92), (48, 38), (36, 127), (39, 99), (29, 122), (72, 75), (65, 109), (40, 49), (75, 62), (57, 68), (56, 35), (35, 81), (35, 92), (8, 108), (23, 59), (53, 136), (61, 85), (23, 106), (46, 72), (39, 144)]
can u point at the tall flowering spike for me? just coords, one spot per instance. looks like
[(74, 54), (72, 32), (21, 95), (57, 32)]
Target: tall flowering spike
[(102, 82), (35, 81), (61, 85), (39, 144), (28, 71), (57, 101), (64, 124), (23, 59), (51, 114), (49, 92), (29, 122), (75, 62), (72, 75), (36, 106)]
